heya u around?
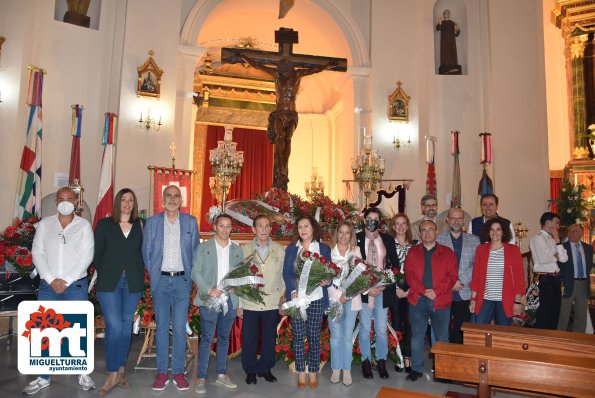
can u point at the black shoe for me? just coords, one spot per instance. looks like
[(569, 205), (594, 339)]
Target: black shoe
[(251, 378), (268, 376), (398, 369), (367, 369), (413, 376), (382, 369)]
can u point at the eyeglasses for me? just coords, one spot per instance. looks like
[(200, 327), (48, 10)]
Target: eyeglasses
[(62, 237)]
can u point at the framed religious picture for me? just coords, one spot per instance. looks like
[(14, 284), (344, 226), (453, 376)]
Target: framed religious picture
[(149, 78), (398, 105)]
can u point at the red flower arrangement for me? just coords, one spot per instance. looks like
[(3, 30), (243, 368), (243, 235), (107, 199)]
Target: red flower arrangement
[(15, 245)]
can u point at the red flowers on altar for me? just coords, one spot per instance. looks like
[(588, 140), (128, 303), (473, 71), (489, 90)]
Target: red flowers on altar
[(15, 245)]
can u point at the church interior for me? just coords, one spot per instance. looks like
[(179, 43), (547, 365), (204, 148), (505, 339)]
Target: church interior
[(525, 75)]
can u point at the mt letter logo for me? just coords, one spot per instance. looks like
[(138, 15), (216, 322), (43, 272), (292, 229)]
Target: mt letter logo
[(56, 337)]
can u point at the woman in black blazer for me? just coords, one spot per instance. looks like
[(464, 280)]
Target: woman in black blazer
[(120, 281)]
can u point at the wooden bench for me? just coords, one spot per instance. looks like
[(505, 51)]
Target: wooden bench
[(528, 339), (389, 392), (515, 369)]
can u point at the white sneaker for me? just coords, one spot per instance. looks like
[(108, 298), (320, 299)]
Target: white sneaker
[(225, 381), (86, 382), (36, 385), (200, 387)]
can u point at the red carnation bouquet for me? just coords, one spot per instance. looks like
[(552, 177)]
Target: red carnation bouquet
[(245, 280), (311, 269), (388, 276), (360, 278), (15, 245)]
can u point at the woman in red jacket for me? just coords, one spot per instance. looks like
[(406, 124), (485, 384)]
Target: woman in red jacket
[(498, 279)]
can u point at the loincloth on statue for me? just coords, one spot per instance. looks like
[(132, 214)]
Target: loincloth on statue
[(286, 117)]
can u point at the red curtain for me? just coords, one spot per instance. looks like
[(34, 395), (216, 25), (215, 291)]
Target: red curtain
[(555, 186), (256, 175)]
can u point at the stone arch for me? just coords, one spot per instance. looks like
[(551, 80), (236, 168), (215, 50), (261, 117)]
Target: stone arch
[(357, 44)]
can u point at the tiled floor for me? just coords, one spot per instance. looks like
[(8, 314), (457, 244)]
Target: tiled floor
[(12, 382)]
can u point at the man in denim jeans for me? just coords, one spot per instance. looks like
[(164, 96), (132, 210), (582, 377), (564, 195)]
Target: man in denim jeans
[(62, 251), (169, 241), (430, 271)]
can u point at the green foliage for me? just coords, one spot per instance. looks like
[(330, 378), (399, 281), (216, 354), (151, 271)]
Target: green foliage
[(572, 205)]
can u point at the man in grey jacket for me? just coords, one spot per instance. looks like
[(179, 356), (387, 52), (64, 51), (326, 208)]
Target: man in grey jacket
[(464, 245)]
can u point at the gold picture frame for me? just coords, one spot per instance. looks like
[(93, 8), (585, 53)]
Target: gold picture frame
[(398, 105), (149, 78)]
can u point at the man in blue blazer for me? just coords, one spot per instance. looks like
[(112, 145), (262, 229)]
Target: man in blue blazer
[(169, 241), (213, 260), (575, 279)]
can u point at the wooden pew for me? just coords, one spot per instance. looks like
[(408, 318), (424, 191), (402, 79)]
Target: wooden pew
[(389, 392), (515, 369), (528, 339)]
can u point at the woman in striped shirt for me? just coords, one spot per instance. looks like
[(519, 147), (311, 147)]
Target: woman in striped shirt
[(498, 280)]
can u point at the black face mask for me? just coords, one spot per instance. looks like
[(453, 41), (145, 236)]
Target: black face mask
[(372, 225)]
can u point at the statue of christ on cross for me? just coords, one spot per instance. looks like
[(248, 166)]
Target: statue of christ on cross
[(288, 71)]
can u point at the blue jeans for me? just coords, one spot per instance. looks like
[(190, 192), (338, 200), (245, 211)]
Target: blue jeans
[(77, 290), (118, 310), (380, 326), (419, 315), (341, 339), (493, 310), (171, 296), (209, 321)]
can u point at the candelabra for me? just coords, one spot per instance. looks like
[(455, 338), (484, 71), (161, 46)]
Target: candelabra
[(368, 168), (149, 122), (520, 232), (315, 186), (226, 163)]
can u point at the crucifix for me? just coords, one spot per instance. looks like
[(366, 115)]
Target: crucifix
[(172, 148), (288, 69)]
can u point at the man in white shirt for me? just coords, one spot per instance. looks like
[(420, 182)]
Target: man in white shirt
[(212, 261), (169, 241), (547, 250), (62, 251)]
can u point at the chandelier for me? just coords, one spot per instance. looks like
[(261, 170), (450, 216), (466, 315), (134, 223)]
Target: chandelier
[(226, 163), (368, 168), (315, 186)]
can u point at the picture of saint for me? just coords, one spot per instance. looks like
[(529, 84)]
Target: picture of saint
[(149, 83)]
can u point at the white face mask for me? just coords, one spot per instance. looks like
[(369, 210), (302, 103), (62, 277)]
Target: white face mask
[(65, 208)]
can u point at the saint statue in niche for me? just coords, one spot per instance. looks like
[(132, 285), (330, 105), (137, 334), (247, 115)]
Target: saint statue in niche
[(449, 30)]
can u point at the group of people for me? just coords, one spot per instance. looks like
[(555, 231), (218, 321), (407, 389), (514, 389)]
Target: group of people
[(451, 277)]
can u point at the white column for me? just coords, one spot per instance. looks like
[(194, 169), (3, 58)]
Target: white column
[(188, 57)]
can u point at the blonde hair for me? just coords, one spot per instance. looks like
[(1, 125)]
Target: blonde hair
[(352, 241)]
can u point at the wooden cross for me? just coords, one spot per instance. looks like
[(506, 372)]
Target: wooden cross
[(286, 38)]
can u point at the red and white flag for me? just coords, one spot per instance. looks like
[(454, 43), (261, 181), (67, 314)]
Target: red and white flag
[(105, 198)]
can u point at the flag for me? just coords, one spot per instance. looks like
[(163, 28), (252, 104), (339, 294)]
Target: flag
[(28, 197), (430, 160), (75, 150), (486, 183), (455, 200), (105, 197)]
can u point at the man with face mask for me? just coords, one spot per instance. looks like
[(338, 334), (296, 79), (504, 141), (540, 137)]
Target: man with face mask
[(464, 246), (378, 249), (62, 251), (429, 210)]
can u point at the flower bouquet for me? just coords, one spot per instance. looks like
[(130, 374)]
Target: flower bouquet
[(311, 269), (388, 276), (245, 282), (15, 245), (360, 278)]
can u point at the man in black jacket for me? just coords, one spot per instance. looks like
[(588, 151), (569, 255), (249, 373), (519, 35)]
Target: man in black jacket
[(575, 279), (378, 249)]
